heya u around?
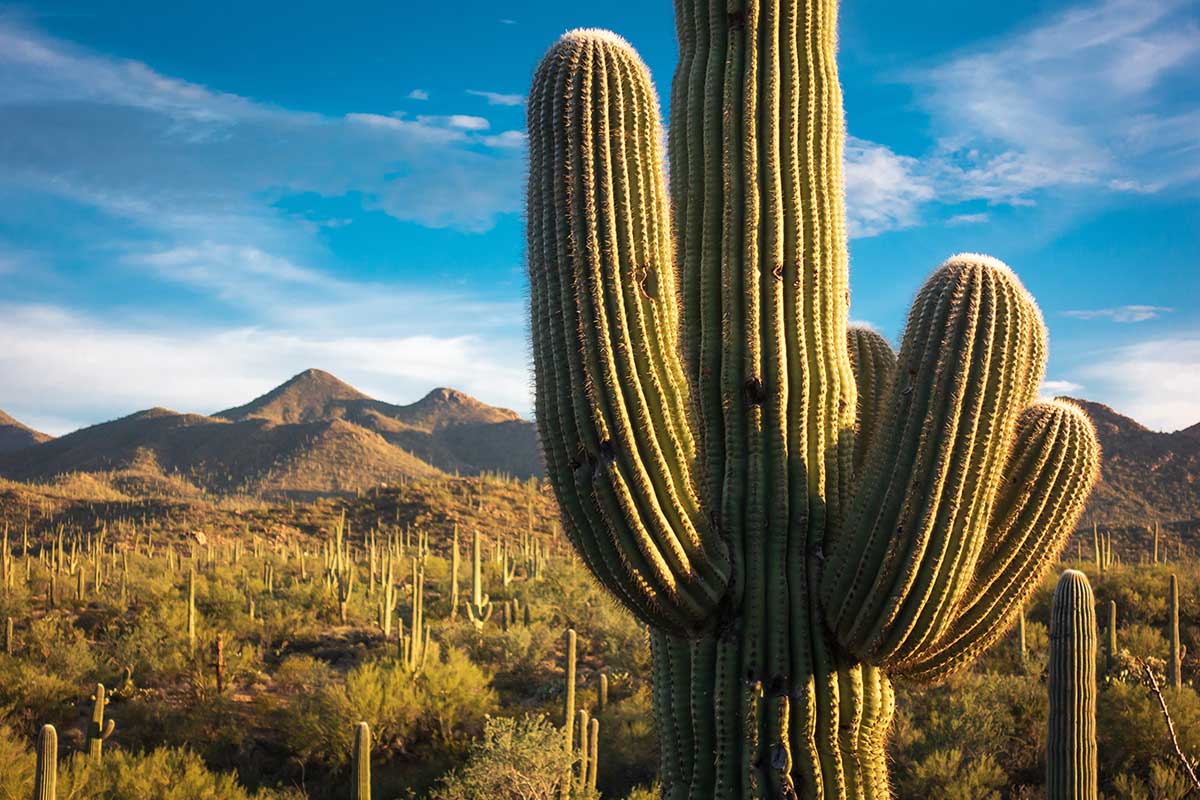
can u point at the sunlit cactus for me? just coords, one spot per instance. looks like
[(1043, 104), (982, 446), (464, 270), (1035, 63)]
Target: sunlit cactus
[(98, 729), (697, 403), (1175, 655), (1071, 758), (45, 775), (361, 788)]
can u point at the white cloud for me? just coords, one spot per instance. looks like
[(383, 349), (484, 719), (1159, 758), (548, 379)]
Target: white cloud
[(1157, 382), (507, 139), (62, 369), (1121, 313), (173, 155), (498, 98), (967, 219), (1056, 388), (1081, 100), (884, 191), (418, 94)]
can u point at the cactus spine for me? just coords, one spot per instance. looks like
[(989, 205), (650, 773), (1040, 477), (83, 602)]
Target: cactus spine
[(1175, 657), (98, 729), (362, 762), (1071, 765), (701, 440), (45, 776)]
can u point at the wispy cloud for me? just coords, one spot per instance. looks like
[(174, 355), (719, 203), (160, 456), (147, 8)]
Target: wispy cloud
[(967, 219), (1056, 388), (1082, 99), (884, 190), (418, 94), (498, 98), (1120, 313), (1157, 381), (119, 136)]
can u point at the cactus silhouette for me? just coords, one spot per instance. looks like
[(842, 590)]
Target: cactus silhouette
[(1071, 765), (696, 402)]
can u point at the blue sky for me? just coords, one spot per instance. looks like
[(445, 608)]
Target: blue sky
[(200, 199)]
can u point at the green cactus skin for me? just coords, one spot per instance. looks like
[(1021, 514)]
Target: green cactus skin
[(362, 762), (700, 439), (45, 776), (1071, 763), (98, 729), (1175, 658), (873, 363)]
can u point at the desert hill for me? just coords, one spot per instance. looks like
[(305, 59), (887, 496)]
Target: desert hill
[(15, 435), (1145, 475), (312, 435)]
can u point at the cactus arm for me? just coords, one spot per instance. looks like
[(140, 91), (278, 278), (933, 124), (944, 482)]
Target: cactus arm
[(971, 360), (612, 399), (874, 363), (1071, 756), (1054, 463)]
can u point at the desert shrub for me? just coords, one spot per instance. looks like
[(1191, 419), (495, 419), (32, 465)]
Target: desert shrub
[(1132, 734), (628, 747), (384, 695), (947, 775), (312, 713), (457, 694), (522, 759)]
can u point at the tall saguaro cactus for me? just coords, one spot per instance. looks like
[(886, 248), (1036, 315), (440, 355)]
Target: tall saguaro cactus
[(1071, 763), (98, 729), (697, 404), (361, 788)]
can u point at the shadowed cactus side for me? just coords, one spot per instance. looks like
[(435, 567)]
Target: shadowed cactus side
[(696, 401), (1071, 762), (45, 775)]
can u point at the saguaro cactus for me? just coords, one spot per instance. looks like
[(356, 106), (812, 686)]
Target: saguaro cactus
[(479, 608), (1071, 766), (99, 729), (362, 762), (45, 775), (1175, 657), (703, 453)]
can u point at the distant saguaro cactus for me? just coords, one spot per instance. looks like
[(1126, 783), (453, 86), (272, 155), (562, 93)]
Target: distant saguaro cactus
[(1071, 765), (701, 438), (1175, 657), (99, 729)]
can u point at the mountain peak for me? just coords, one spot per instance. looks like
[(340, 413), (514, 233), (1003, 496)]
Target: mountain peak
[(446, 406), (310, 395), (15, 435)]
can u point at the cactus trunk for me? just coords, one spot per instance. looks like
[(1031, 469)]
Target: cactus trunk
[(704, 454), (362, 762), (1175, 657), (1071, 759)]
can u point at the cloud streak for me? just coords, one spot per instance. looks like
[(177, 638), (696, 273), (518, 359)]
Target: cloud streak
[(1123, 314)]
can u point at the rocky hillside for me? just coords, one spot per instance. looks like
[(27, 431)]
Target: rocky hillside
[(1145, 475), (313, 435), (16, 436)]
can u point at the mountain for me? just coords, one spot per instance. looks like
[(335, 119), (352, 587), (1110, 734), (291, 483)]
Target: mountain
[(312, 435), (1145, 475), (16, 436)]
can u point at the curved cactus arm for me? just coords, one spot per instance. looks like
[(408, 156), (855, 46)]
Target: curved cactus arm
[(874, 363), (971, 359), (611, 398), (1054, 463)]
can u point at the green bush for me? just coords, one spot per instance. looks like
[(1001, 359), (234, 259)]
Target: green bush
[(515, 758)]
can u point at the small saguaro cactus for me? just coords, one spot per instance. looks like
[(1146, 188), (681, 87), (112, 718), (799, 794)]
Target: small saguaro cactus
[(479, 609), (454, 558), (45, 775), (593, 754), (569, 706), (1071, 764), (99, 729), (1111, 635), (362, 762), (191, 611), (1175, 657), (701, 438), (9, 646), (1022, 649)]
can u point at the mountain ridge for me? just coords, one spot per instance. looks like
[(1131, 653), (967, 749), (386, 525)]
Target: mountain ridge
[(311, 435), (16, 435)]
